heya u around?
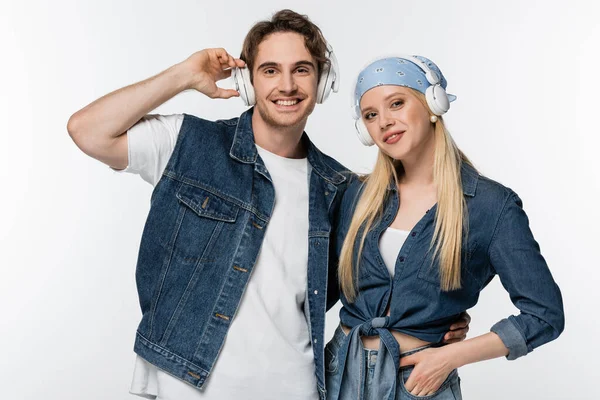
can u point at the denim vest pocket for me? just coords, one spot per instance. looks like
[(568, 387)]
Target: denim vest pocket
[(201, 219), (207, 204)]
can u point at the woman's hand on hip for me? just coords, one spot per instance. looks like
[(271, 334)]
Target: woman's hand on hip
[(431, 368)]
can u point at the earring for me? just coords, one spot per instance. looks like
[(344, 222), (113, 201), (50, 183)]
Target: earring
[(433, 119)]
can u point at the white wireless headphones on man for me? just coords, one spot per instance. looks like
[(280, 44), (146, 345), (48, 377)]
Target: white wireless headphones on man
[(329, 80), (436, 96)]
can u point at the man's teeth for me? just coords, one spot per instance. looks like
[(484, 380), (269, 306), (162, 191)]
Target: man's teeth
[(287, 102)]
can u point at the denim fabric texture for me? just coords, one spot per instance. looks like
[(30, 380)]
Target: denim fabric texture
[(499, 242), (202, 237), (369, 375)]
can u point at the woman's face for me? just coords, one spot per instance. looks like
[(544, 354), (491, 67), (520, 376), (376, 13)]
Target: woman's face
[(398, 122)]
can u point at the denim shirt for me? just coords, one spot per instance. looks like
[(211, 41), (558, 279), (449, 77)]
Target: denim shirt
[(499, 241), (202, 238)]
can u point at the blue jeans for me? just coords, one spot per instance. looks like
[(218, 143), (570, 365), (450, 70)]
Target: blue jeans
[(367, 378)]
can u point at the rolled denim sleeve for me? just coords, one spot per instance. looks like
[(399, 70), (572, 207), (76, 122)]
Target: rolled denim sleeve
[(515, 256)]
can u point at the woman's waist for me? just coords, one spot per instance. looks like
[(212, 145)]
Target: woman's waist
[(405, 341)]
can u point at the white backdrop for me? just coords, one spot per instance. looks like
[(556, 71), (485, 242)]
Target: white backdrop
[(526, 76)]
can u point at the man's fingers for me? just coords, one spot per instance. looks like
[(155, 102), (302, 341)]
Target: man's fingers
[(234, 63), (225, 59), (230, 61), (226, 93), (463, 321), (221, 54), (466, 316), (457, 334), (458, 325), (225, 74), (461, 324)]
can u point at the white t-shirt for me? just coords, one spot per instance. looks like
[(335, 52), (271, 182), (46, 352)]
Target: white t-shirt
[(390, 243), (267, 353)]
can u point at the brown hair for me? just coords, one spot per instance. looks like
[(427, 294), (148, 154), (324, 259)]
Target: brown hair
[(286, 21)]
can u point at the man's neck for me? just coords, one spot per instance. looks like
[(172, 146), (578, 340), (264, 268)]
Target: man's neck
[(285, 142)]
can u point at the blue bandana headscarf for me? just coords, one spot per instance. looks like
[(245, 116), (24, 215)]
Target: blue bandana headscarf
[(395, 71)]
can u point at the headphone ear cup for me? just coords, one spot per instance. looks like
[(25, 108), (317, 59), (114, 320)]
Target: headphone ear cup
[(329, 79), (243, 84), (437, 99), (325, 83), (363, 132)]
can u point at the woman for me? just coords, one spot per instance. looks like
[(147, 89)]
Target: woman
[(418, 239)]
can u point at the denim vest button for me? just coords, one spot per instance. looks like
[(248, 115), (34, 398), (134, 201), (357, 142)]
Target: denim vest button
[(401, 259), (316, 292), (413, 234)]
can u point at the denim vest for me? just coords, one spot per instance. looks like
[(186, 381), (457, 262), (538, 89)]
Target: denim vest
[(203, 235)]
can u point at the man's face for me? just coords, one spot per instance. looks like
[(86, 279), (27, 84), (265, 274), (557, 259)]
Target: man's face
[(285, 80)]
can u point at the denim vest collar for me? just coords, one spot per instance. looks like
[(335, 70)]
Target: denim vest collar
[(244, 150)]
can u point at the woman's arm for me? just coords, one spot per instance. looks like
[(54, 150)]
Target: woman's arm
[(432, 366), (515, 256)]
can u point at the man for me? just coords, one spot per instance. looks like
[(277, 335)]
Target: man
[(232, 205)]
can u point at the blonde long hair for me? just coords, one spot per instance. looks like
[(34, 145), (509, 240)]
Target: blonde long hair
[(450, 216)]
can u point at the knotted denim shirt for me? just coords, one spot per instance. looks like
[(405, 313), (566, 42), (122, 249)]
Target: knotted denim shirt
[(499, 242)]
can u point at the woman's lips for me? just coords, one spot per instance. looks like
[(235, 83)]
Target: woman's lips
[(393, 137)]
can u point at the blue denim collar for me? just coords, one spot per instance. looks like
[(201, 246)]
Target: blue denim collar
[(244, 150), (469, 177)]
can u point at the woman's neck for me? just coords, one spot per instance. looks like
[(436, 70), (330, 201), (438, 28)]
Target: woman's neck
[(417, 171)]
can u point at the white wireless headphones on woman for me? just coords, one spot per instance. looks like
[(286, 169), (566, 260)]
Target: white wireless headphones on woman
[(436, 96), (328, 80)]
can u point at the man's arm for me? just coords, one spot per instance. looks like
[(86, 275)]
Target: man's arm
[(100, 128)]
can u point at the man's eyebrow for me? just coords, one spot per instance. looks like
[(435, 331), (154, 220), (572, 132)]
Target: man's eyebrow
[(297, 64), (305, 62), (268, 64)]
